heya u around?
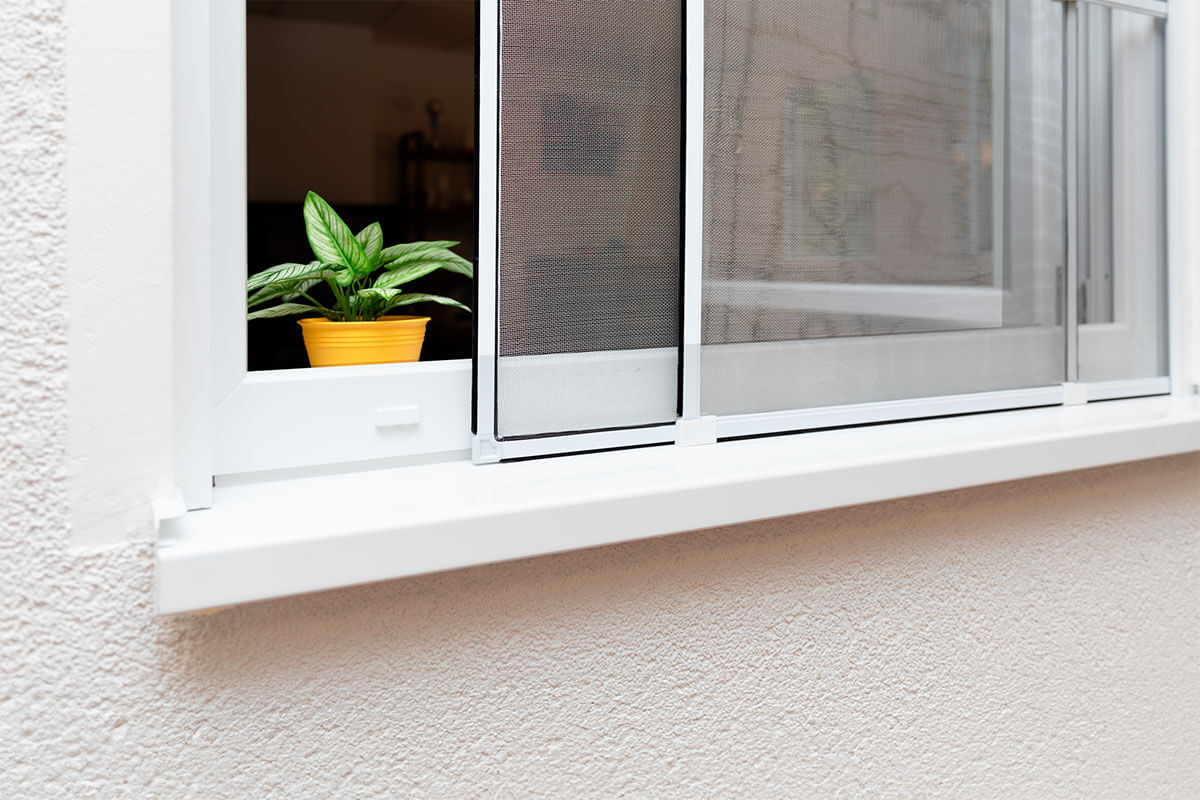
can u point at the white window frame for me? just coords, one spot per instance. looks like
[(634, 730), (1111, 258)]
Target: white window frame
[(231, 422), (267, 535)]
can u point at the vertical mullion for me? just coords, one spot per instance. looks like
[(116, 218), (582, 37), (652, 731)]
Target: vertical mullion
[(1000, 141), (487, 145), (693, 204), (1071, 148)]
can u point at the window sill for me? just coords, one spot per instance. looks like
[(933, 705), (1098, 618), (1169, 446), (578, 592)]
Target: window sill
[(285, 537)]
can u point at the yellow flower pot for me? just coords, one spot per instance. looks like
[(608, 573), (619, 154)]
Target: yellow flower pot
[(382, 341)]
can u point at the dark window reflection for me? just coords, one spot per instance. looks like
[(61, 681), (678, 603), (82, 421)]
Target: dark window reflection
[(370, 103)]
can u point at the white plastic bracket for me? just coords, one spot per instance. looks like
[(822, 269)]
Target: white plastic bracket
[(701, 430), (1074, 394), (171, 506), (485, 450)]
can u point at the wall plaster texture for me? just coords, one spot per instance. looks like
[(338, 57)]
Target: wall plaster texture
[(1030, 639)]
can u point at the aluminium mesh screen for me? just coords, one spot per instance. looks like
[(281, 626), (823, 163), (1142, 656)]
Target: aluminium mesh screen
[(589, 250), (883, 200)]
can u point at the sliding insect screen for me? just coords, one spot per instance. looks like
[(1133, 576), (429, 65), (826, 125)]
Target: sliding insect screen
[(894, 209), (884, 210), (584, 351)]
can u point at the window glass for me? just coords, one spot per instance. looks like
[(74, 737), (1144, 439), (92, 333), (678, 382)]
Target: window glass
[(371, 104)]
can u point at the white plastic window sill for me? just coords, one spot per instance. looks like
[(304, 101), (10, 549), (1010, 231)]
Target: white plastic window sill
[(286, 537)]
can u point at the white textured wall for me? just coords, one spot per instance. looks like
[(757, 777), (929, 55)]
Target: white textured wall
[(1032, 639)]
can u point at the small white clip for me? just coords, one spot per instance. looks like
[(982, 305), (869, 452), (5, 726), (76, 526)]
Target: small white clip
[(395, 417), (691, 432), (1074, 394), (485, 450)]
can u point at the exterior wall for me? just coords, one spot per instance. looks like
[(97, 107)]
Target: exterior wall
[(1031, 639)]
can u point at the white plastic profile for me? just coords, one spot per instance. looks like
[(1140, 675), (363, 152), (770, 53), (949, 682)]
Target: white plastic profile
[(484, 446), (693, 216), (274, 538), (285, 537)]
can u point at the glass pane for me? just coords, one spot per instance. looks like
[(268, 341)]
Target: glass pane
[(371, 104), (589, 261), (883, 201), (1122, 201)]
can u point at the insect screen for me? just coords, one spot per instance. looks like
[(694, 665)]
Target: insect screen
[(588, 267), (883, 201)]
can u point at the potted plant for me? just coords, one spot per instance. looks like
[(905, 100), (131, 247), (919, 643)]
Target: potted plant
[(365, 281)]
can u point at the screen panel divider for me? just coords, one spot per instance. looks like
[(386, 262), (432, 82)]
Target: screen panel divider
[(693, 208), (485, 448)]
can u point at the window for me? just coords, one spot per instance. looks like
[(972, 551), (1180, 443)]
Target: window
[(234, 421), (744, 266), (934, 217)]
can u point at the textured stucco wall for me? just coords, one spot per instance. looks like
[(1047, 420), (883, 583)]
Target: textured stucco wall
[(1030, 639)]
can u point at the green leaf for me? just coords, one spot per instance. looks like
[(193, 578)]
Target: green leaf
[(409, 272), (330, 239), (371, 238), (457, 263), (285, 291), (378, 293), (401, 255), (397, 250), (283, 272), (409, 299), (283, 310)]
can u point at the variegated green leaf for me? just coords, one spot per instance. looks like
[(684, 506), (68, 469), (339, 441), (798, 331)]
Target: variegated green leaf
[(416, 297), (409, 272), (456, 263), (330, 239), (284, 291), (283, 272), (377, 293), (402, 255), (371, 239), (398, 251), (282, 310), (344, 277)]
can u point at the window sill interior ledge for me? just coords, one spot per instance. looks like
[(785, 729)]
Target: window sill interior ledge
[(285, 537)]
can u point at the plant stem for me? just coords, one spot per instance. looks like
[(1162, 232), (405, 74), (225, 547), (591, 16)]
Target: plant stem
[(340, 296), (307, 297)]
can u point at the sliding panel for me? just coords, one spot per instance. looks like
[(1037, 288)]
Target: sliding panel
[(1122, 203), (884, 208), (587, 283)]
